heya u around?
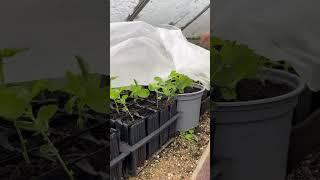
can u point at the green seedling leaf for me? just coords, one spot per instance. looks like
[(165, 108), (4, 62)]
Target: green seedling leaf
[(11, 106), (84, 67), (28, 126), (70, 104), (230, 63), (44, 115)]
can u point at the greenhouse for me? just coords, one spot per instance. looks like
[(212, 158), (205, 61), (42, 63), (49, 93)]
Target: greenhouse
[(159, 89), (159, 94)]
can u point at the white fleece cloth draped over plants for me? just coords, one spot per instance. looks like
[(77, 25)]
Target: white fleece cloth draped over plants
[(141, 51), (280, 30)]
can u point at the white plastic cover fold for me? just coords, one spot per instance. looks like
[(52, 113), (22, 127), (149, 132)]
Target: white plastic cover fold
[(141, 51), (281, 30)]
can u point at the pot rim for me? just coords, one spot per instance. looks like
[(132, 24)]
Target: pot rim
[(295, 92), (201, 87)]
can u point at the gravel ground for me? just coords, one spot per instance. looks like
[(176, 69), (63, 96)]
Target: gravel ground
[(179, 159), (309, 168)]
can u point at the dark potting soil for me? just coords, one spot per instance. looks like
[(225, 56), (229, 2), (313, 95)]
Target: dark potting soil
[(131, 120), (254, 89), (146, 112), (68, 123), (70, 152), (149, 104), (191, 89)]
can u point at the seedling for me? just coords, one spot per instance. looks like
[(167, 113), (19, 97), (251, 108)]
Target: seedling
[(189, 135), (181, 81), (118, 97), (15, 103), (40, 125), (167, 88), (137, 91), (7, 53), (86, 92)]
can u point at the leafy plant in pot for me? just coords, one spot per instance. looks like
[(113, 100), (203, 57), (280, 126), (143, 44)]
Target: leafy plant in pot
[(253, 112), (189, 96)]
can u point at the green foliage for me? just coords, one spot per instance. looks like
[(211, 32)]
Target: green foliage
[(189, 135), (40, 125), (180, 81), (137, 91), (86, 92), (15, 103), (166, 88), (119, 97), (41, 122), (230, 63)]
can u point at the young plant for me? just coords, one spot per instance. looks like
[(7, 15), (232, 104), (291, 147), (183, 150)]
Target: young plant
[(230, 63), (161, 87), (7, 53), (181, 81), (86, 92), (137, 91), (40, 125), (189, 135), (15, 103), (119, 98)]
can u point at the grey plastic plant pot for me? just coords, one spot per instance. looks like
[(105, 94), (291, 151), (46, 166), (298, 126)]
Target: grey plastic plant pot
[(254, 135), (189, 106)]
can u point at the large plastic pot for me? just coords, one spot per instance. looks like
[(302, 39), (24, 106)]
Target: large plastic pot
[(254, 135), (189, 106)]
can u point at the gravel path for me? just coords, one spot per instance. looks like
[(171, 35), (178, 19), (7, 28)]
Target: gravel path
[(309, 168), (179, 159)]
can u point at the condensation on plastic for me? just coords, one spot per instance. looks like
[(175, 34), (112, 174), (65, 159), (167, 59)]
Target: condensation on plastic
[(141, 51), (280, 30)]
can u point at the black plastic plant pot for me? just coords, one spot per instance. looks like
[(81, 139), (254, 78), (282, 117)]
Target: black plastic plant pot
[(172, 112), (152, 124), (114, 143), (132, 132), (304, 106), (116, 172), (304, 138), (254, 135), (164, 117), (205, 104)]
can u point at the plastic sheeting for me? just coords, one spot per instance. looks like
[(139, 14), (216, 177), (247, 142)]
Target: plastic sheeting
[(141, 51), (280, 30)]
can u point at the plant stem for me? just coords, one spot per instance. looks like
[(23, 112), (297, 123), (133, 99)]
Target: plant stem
[(127, 109), (81, 120), (117, 107), (23, 145), (56, 153)]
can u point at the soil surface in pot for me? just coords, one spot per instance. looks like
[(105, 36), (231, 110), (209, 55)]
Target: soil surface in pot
[(254, 89), (191, 89), (179, 159)]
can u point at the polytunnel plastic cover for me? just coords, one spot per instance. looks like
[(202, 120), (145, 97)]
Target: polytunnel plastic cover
[(141, 51), (280, 30)]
